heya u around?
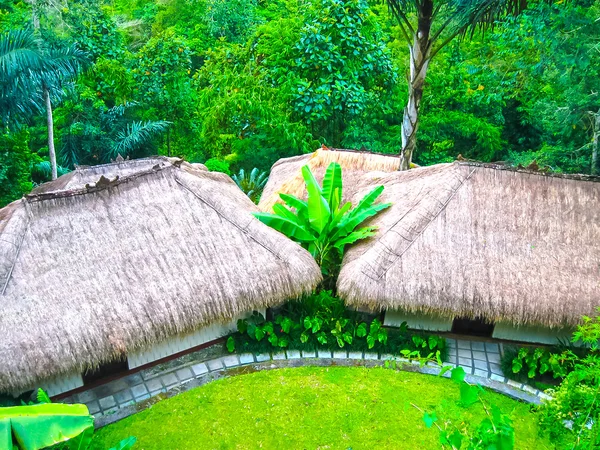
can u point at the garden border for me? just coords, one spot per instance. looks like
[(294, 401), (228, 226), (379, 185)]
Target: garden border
[(239, 364)]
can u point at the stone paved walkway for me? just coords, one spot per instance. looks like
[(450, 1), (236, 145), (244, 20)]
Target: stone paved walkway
[(122, 397)]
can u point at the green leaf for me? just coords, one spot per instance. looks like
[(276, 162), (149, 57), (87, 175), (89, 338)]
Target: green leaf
[(332, 181), (125, 444), (304, 337), (468, 394), (40, 426), (294, 202), (361, 330), (285, 226), (319, 212), (355, 236), (517, 365), (458, 374), (259, 334), (230, 344), (370, 341), (429, 419), (42, 396), (242, 325), (282, 211)]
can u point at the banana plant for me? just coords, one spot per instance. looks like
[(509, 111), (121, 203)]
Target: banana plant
[(39, 426), (251, 184), (322, 224)]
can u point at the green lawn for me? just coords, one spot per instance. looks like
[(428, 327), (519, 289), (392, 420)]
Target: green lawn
[(310, 408)]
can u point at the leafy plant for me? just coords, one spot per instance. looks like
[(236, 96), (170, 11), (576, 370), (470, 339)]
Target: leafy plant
[(217, 165), (39, 426), (494, 432), (574, 411), (251, 184), (535, 363), (322, 224)]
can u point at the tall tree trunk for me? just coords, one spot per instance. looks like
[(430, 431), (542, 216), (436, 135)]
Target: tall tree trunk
[(50, 133), (596, 144), (419, 62)]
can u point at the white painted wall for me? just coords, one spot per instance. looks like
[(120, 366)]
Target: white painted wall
[(59, 385), (538, 335), (181, 343), (417, 321)]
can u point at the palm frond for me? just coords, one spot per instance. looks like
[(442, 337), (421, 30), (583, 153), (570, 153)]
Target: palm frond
[(135, 135)]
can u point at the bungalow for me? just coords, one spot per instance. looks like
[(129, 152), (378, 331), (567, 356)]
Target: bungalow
[(116, 266), (466, 247)]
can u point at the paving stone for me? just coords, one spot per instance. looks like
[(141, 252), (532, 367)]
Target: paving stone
[(133, 379), (168, 380), (494, 358), (263, 357), (513, 383), (481, 365), (142, 398), (463, 344), (293, 354), (139, 391), (279, 356), (199, 369), (107, 402), (465, 362), (481, 373), (340, 355), (479, 346), (123, 396), (126, 404), (463, 353), (452, 352), (495, 368), (214, 364), (479, 355), (529, 389), (231, 361), (111, 411), (154, 385), (97, 415), (355, 355), (499, 378), (309, 354), (246, 358), (94, 407), (111, 388), (185, 374), (371, 356), (324, 353), (450, 343), (86, 396), (492, 348)]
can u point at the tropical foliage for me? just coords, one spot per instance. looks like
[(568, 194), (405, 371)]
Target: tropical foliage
[(252, 183), (322, 224), (250, 82)]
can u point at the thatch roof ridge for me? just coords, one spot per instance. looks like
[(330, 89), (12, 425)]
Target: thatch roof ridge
[(94, 273), (525, 170)]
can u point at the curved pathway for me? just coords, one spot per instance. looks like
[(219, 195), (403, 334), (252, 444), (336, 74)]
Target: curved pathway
[(134, 393)]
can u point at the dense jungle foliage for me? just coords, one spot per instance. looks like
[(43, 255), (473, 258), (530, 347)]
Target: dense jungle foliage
[(246, 82)]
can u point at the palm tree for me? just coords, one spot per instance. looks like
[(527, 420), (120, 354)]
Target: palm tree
[(428, 26), (94, 139), (32, 77)]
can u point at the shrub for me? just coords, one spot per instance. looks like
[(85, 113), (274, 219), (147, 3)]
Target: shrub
[(537, 363), (217, 165), (574, 411), (252, 183), (321, 321)]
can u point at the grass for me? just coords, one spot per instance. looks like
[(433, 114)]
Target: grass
[(312, 408)]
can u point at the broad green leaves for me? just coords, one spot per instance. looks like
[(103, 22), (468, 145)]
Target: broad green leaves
[(320, 224), (38, 426)]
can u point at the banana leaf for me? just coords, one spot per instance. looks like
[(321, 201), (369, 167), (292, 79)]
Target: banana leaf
[(319, 212), (332, 182), (285, 226), (39, 426)]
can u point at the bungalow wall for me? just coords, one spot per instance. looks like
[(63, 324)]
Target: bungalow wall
[(163, 349), (502, 330)]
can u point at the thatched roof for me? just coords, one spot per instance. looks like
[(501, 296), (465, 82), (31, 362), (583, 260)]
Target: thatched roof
[(466, 239), (110, 259)]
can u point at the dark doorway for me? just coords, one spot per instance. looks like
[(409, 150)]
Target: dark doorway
[(105, 371), (473, 327)]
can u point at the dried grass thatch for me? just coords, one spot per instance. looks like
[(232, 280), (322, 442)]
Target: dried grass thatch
[(110, 259), (466, 239)]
